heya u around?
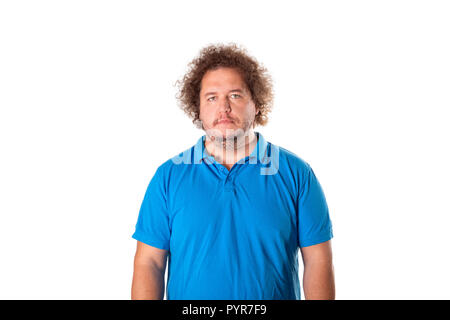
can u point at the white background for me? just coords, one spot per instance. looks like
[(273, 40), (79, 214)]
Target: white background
[(88, 112)]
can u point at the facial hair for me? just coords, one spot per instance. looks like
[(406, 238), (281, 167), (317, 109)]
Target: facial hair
[(233, 139)]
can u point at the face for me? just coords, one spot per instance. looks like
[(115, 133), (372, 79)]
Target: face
[(226, 107)]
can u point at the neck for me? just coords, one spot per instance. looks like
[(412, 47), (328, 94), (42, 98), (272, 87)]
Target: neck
[(231, 150)]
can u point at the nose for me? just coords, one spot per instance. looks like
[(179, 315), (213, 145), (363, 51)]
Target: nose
[(224, 105)]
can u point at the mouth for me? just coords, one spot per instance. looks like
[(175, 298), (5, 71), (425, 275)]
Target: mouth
[(224, 121)]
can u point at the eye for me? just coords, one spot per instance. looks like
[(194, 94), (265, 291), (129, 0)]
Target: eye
[(235, 94), (209, 99)]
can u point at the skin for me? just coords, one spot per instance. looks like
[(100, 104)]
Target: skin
[(224, 95), (148, 275), (318, 274)]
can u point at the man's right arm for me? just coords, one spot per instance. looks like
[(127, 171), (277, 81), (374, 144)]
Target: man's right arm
[(149, 270)]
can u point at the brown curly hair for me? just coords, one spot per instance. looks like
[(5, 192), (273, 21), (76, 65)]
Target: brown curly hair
[(254, 74)]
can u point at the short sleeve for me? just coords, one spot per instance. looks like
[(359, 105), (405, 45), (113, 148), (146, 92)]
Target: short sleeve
[(314, 224), (152, 226)]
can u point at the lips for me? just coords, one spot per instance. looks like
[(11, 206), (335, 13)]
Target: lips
[(224, 121)]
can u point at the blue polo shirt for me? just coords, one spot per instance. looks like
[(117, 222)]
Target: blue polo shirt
[(234, 234)]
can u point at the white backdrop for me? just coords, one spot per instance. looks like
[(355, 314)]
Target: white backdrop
[(88, 112)]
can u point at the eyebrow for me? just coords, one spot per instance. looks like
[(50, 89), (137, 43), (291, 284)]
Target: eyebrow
[(214, 92)]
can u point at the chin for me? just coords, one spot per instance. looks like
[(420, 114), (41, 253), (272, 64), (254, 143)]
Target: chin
[(226, 132), (234, 132)]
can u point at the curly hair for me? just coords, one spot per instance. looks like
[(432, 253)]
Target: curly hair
[(214, 56)]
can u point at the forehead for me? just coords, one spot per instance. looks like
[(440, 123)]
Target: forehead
[(222, 78)]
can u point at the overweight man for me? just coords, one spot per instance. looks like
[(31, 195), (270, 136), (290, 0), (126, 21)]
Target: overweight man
[(229, 215)]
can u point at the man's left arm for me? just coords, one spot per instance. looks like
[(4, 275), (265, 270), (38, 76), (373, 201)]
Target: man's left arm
[(318, 275)]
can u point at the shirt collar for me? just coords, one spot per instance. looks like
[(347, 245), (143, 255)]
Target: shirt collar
[(258, 153)]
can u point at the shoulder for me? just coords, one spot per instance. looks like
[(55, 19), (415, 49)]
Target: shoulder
[(289, 160), (174, 164), (293, 169)]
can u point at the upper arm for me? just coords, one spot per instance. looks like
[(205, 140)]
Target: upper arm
[(317, 254), (314, 223), (153, 224), (148, 255)]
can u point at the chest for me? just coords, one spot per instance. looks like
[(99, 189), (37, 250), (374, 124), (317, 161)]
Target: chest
[(244, 206)]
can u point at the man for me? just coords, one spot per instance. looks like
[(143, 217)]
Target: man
[(230, 212)]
